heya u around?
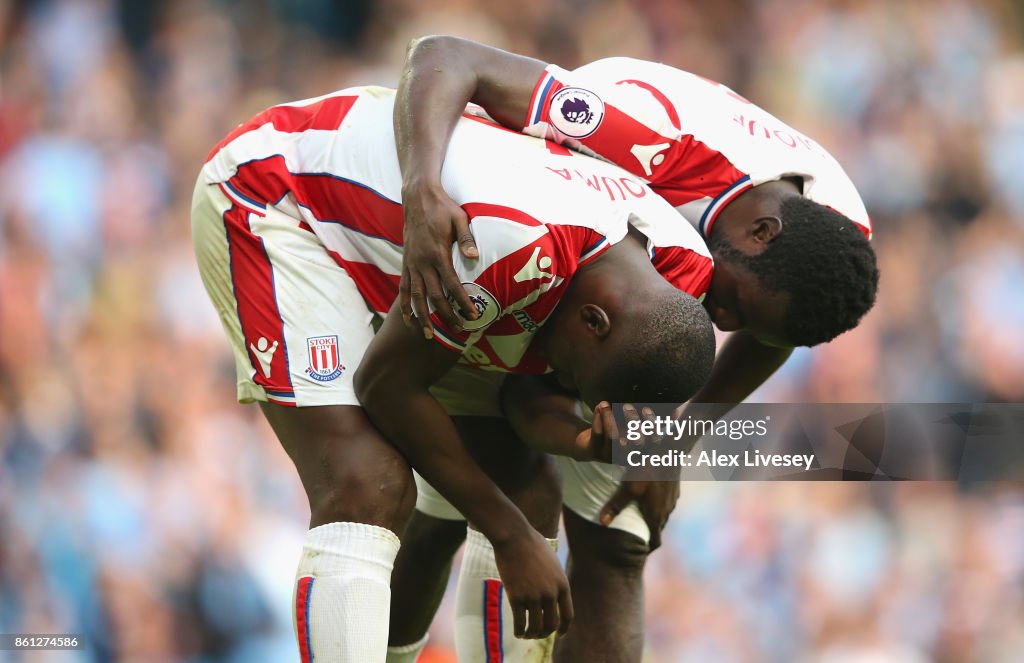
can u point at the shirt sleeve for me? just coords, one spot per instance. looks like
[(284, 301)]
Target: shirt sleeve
[(686, 269), (618, 110), (625, 121)]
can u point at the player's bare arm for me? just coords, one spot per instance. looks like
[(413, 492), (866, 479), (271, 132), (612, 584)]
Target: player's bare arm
[(441, 75), (398, 368), (742, 365), (548, 418), (527, 400)]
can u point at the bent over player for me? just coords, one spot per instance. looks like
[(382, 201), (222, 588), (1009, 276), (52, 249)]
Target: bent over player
[(297, 227), (785, 225)]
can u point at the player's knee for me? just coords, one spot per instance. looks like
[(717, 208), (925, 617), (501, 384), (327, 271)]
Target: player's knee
[(604, 549), (351, 495)]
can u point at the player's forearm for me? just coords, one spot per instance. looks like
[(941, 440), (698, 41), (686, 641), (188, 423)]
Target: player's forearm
[(543, 417), (441, 75), (425, 434), (742, 365)]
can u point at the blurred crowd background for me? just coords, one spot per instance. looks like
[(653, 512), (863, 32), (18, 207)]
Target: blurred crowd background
[(144, 508)]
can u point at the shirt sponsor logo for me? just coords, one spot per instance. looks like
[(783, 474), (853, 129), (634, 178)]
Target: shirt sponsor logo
[(324, 358), (576, 112), (525, 321)]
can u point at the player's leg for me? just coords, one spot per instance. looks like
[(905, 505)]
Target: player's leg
[(419, 580), (434, 533), (298, 328), (437, 529), (531, 482), (605, 569), (360, 492), (606, 576)]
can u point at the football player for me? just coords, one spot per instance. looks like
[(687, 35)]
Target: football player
[(297, 227)]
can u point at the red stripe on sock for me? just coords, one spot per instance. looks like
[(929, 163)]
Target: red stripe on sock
[(492, 621), (302, 597)]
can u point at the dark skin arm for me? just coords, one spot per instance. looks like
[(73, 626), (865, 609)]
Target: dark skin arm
[(441, 75), (396, 372), (742, 365), (545, 417)]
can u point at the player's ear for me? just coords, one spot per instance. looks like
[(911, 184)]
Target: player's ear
[(596, 320), (765, 229)]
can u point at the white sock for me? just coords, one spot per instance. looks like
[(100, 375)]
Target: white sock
[(483, 616), (407, 653), (343, 593)]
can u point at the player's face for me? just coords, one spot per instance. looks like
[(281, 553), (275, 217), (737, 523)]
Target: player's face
[(577, 360), (737, 300)]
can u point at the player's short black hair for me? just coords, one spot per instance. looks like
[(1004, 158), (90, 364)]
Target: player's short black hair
[(826, 264), (671, 350)]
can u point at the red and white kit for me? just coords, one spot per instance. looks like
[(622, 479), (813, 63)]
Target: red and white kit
[(297, 225), (697, 143)]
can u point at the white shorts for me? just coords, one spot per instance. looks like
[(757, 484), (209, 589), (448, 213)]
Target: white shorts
[(296, 322), (586, 488)]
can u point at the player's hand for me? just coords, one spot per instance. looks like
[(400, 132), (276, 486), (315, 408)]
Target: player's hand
[(655, 499), (599, 441), (432, 222), (537, 588)]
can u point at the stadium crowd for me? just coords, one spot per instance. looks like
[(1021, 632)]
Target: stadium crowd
[(143, 508)]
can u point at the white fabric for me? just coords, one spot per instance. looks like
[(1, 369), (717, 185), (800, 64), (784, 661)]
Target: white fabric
[(587, 487), (468, 392), (330, 164), (407, 653), (348, 599), (315, 296), (432, 503)]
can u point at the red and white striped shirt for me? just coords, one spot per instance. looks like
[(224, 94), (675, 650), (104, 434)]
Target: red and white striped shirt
[(538, 211), (698, 143)]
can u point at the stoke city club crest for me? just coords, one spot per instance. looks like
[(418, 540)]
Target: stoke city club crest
[(324, 358)]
